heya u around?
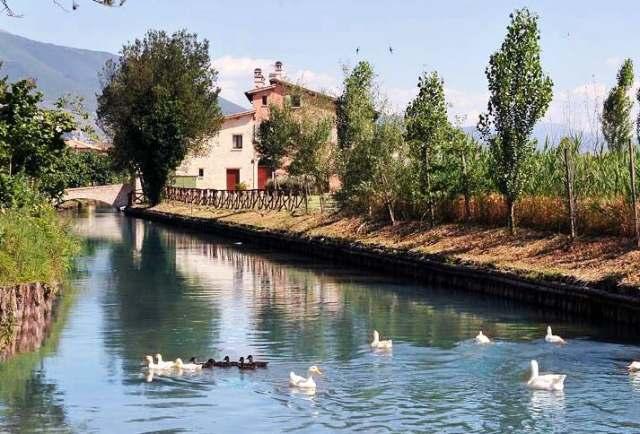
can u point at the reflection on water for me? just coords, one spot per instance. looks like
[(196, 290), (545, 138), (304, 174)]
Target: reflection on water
[(145, 288)]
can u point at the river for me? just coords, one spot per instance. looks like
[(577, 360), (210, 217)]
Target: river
[(142, 288)]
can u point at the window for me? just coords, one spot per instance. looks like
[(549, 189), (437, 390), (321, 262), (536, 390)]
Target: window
[(295, 101), (264, 100), (237, 141), (201, 173)]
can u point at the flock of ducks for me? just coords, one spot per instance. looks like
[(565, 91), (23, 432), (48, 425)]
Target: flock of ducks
[(551, 382), (195, 365)]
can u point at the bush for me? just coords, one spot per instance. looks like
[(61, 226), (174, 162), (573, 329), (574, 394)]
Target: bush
[(35, 245)]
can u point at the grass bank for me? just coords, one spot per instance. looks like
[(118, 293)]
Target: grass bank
[(602, 262), (35, 246)]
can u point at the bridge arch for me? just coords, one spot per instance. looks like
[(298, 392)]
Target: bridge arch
[(116, 195)]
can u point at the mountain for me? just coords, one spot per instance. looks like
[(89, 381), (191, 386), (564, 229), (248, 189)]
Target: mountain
[(60, 70), (57, 70), (553, 132)]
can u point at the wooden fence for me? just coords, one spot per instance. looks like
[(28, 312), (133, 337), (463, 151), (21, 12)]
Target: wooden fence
[(275, 200)]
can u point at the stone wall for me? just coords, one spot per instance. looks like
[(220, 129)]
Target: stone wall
[(26, 313)]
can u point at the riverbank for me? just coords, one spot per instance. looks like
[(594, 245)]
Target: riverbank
[(595, 277)]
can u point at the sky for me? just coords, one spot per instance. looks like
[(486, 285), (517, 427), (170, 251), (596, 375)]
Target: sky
[(583, 42)]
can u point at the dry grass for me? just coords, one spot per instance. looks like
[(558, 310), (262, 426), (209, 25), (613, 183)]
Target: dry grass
[(589, 259)]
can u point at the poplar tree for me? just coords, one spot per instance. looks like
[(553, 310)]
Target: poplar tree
[(616, 111), (520, 93), (427, 128)]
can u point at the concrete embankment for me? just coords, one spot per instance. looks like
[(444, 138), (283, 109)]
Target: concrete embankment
[(616, 303), (26, 313)]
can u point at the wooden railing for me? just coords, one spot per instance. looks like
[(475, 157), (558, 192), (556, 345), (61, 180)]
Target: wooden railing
[(275, 200), (135, 197)]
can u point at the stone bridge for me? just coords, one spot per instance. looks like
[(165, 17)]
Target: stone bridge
[(116, 195)]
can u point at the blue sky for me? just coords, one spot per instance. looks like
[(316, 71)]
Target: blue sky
[(583, 41)]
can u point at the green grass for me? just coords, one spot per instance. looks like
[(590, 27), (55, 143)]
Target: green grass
[(34, 246)]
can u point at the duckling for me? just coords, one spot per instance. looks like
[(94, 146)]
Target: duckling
[(482, 339), (226, 363), (162, 364), (195, 361), (304, 383), (554, 339), (150, 363), (258, 364), (245, 365), (380, 345), (187, 366), (209, 364)]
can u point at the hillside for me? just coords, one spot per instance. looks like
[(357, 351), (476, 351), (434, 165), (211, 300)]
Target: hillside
[(57, 70)]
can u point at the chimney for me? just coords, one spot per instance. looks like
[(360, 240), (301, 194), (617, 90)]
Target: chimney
[(277, 72), (258, 78)]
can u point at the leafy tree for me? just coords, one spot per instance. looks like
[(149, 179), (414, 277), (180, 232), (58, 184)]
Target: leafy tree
[(31, 138), (159, 103), (390, 167), (520, 95), (356, 116), (616, 110), (427, 129), (313, 153), (275, 136)]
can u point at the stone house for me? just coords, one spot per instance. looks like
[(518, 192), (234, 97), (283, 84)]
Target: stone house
[(232, 160)]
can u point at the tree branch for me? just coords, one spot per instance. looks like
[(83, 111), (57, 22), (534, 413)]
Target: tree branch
[(7, 10)]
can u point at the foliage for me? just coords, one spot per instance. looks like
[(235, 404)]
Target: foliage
[(159, 103), (34, 245), (520, 95), (356, 116), (31, 139), (427, 128), (312, 151), (616, 110), (275, 136)]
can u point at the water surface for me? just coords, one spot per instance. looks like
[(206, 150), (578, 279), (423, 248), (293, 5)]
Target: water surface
[(143, 288)]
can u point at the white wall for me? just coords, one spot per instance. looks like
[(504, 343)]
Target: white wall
[(221, 156)]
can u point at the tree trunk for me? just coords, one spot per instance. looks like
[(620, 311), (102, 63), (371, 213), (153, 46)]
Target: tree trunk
[(427, 175), (511, 216), (634, 199), (569, 190), (392, 215), (465, 188)]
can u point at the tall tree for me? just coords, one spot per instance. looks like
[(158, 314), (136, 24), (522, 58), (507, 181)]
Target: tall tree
[(275, 136), (427, 128), (520, 95), (356, 116), (616, 110), (31, 139), (159, 103)]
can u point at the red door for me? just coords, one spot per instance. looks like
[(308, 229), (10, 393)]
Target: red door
[(233, 178), (264, 174)]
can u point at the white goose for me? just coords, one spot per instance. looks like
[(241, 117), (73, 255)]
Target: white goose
[(179, 364), (304, 383), (554, 339), (161, 364), (380, 345), (545, 382), (482, 339), (634, 367)]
